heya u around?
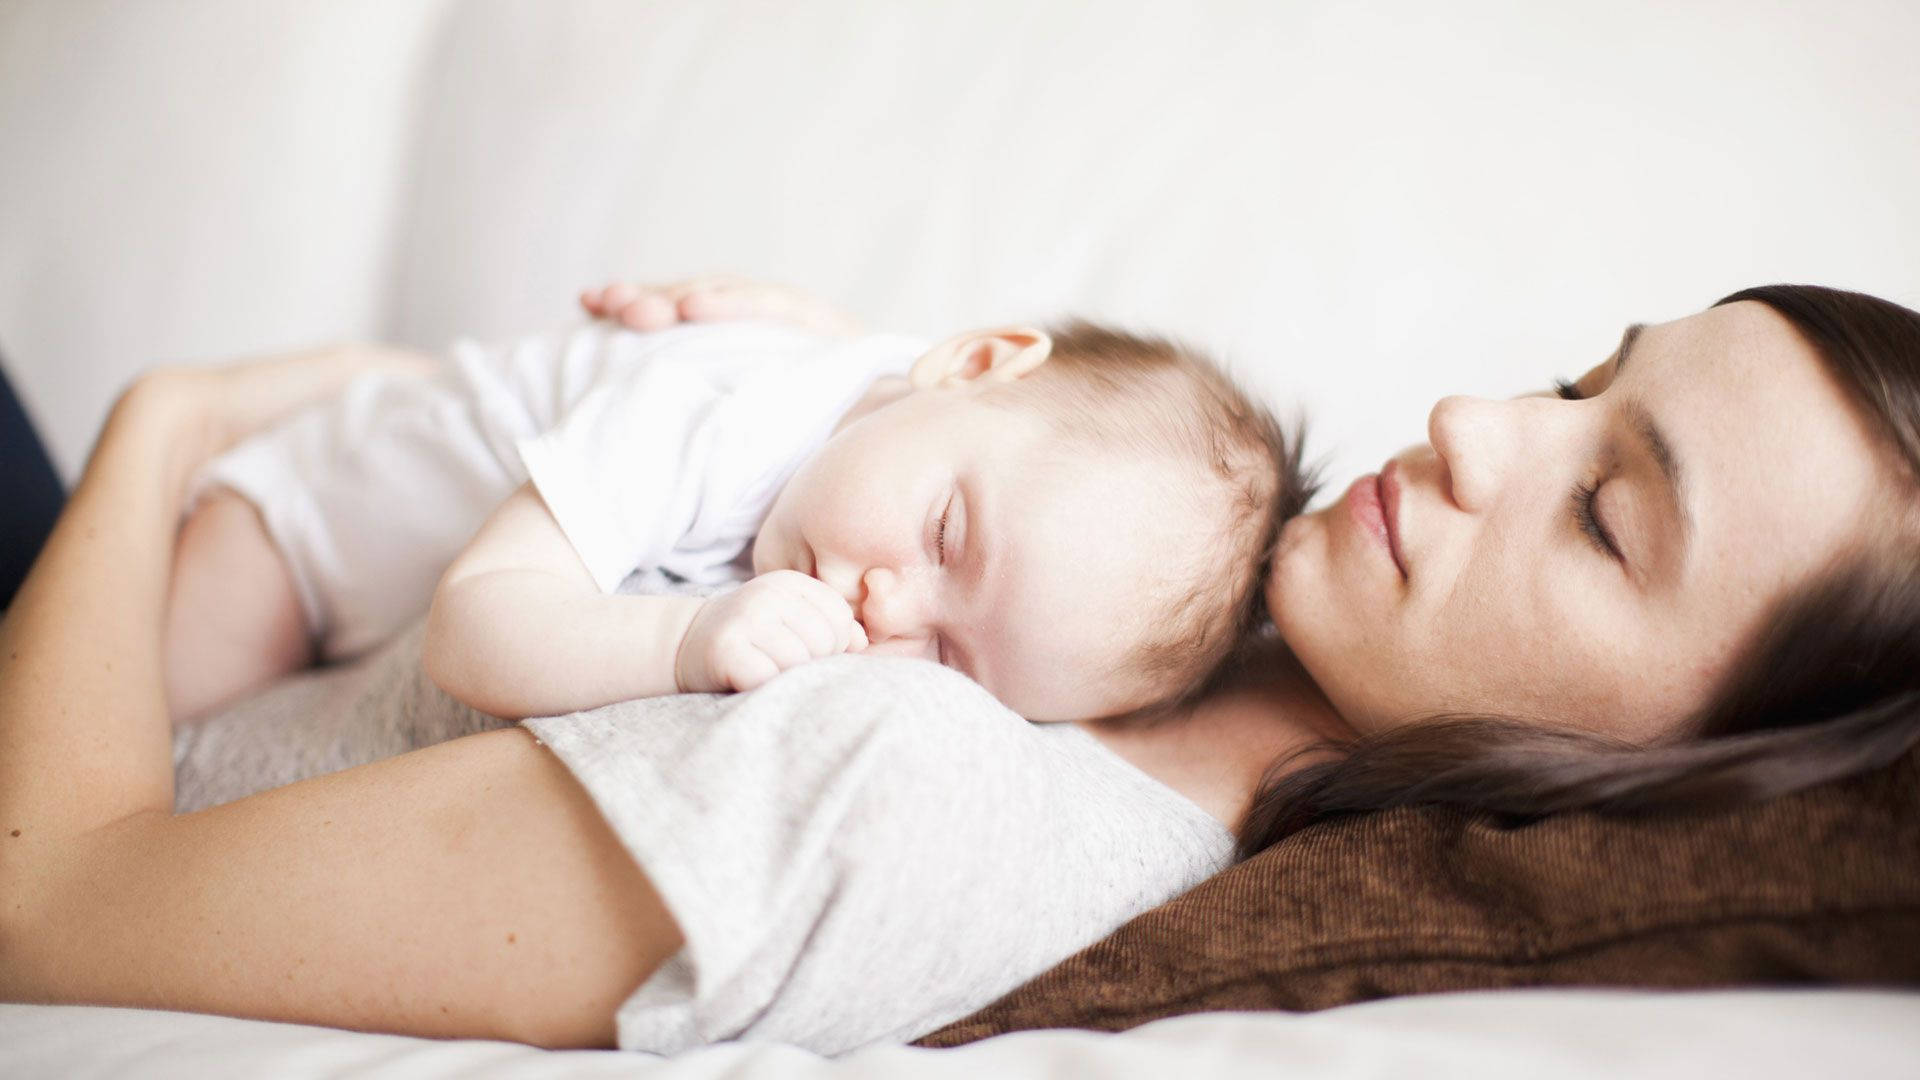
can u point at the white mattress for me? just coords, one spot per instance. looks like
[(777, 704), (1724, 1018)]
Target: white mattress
[(1524, 1035)]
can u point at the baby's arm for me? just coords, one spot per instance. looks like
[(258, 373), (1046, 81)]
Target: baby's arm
[(518, 627)]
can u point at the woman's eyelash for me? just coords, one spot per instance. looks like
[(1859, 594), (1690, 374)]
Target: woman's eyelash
[(940, 534), (1584, 495)]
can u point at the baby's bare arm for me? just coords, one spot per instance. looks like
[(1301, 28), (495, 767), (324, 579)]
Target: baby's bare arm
[(518, 628)]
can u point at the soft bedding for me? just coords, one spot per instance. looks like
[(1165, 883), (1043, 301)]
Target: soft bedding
[(1819, 887), (1522, 1035)]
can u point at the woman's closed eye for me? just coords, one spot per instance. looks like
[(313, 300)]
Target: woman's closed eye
[(1585, 494)]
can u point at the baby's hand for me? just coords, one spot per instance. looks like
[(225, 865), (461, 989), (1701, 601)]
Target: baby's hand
[(774, 622), (713, 298)]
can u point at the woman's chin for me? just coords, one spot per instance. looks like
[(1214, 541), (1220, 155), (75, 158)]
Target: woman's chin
[(1328, 622)]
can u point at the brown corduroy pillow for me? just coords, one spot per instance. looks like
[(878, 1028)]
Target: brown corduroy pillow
[(1819, 886)]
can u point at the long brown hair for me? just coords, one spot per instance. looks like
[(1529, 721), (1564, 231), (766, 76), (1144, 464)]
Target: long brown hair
[(1830, 688)]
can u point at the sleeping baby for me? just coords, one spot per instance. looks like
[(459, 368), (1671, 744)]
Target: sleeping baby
[(1075, 518)]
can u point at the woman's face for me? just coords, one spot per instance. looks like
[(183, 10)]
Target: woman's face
[(1596, 562)]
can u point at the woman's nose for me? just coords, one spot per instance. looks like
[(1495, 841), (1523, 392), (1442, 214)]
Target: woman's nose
[(1480, 443), (894, 605)]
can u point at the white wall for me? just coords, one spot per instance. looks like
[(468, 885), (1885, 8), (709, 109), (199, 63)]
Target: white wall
[(194, 179), (1365, 206)]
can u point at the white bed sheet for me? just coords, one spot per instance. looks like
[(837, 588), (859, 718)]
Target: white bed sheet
[(1523, 1035)]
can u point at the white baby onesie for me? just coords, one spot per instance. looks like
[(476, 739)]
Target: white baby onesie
[(657, 452)]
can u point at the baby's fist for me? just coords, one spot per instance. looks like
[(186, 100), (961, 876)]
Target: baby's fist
[(774, 622)]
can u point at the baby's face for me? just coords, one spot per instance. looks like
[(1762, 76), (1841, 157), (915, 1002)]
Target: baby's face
[(974, 535)]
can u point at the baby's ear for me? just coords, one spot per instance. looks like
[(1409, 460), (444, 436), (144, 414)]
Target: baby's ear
[(1001, 354)]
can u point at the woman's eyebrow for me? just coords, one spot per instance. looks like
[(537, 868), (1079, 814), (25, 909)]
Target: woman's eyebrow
[(1620, 353), (1654, 440)]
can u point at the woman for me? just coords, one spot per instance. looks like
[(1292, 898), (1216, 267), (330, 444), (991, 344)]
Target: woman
[(1712, 532)]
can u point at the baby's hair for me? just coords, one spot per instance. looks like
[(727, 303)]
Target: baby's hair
[(1151, 396)]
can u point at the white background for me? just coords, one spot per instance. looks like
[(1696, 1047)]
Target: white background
[(1362, 206)]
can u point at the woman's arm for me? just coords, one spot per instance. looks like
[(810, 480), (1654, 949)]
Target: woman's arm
[(79, 650), (467, 889)]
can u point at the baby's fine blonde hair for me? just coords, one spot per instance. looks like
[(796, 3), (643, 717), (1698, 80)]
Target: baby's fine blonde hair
[(1150, 396)]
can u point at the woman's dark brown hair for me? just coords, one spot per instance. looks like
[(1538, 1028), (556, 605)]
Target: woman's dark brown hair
[(1830, 688)]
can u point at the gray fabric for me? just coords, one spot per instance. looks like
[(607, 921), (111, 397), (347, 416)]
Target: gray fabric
[(860, 851), (864, 849), (318, 722), (326, 719)]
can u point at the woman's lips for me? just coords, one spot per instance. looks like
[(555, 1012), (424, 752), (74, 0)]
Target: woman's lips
[(1390, 510), (1374, 502)]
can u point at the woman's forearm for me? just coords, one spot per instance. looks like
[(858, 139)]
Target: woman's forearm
[(84, 733)]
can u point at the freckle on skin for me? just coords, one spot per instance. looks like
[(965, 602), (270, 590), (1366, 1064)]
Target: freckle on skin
[(510, 938), (16, 832)]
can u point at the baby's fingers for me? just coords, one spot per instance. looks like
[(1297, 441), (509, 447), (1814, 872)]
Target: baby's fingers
[(832, 610), (742, 664), (813, 630), (780, 647), (651, 309), (608, 298), (640, 307)]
